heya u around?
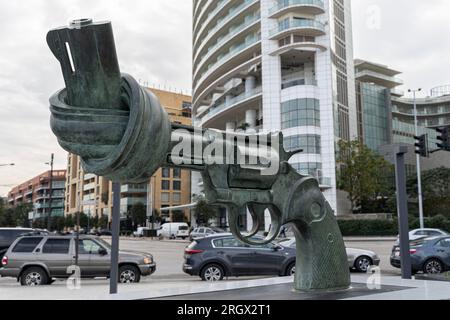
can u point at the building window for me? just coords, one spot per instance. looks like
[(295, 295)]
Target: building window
[(176, 198), (165, 185), (165, 197), (300, 113), (310, 144), (177, 185), (313, 169), (166, 173), (177, 173)]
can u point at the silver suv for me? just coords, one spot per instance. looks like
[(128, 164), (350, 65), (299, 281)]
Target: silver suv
[(36, 260)]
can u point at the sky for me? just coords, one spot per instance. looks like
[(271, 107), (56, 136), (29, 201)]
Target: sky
[(153, 40)]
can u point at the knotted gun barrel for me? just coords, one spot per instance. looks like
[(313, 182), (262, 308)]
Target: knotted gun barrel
[(121, 132)]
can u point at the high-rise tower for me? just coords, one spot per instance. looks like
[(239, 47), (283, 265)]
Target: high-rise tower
[(268, 65)]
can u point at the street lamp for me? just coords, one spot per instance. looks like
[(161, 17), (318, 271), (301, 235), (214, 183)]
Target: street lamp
[(50, 200), (419, 169)]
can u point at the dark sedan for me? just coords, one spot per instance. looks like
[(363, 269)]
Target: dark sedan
[(430, 255), (215, 257)]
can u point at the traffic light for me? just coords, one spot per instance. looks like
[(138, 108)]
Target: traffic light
[(422, 145), (444, 136)]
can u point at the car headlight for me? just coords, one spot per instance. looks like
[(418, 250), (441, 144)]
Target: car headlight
[(148, 260)]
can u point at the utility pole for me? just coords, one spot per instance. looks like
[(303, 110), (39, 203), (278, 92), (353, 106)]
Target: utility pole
[(115, 230), (419, 168), (402, 200), (49, 216)]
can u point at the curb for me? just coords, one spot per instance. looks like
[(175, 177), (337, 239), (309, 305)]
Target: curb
[(370, 239)]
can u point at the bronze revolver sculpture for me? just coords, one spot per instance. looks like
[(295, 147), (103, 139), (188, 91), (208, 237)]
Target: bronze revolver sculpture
[(121, 132)]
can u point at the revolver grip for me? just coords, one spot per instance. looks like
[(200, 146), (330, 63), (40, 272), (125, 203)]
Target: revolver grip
[(321, 262)]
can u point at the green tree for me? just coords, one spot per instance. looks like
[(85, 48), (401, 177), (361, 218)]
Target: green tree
[(138, 214), (7, 218), (2, 209), (60, 223), (436, 191), (21, 213), (83, 220), (365, 176), (204, 211), (103, 222), (94, 221), (39, 224), (69, 222), (178, 216)]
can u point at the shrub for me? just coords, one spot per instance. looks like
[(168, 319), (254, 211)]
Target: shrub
[(368, 227), (351, 228)]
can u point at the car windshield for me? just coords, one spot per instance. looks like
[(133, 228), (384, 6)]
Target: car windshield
[(104, 243), (217, 230), (183, 228)]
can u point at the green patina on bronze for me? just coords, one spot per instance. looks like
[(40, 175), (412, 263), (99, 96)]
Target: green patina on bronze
[(120, 131)]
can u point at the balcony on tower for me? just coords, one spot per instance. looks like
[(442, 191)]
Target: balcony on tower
[(299, 26), (310, 7)]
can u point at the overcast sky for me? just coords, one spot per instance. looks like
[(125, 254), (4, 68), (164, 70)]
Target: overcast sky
[(153, 39)]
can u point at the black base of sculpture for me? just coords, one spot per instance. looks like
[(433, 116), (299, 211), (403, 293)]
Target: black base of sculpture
[(285, 292)]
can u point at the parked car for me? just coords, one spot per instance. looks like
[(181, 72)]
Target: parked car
[(140, 232), (174, 230), (202, 232), (9, 235), (36, 260), (102, 232), (218, 256), (358, 259), (423, 233), (429, 255)]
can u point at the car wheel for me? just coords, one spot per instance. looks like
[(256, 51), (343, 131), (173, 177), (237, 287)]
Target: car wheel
[(34, 276), (362, 264), (212, 273), (433, 266), (290, 271), (129, 274)]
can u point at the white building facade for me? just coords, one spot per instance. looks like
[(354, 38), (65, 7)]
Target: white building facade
[(286, 65)]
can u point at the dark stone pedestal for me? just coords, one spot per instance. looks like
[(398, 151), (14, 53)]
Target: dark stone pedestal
[(285, 292)]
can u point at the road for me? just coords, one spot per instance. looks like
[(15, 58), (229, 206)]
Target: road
[(169, 259), (169, 255)]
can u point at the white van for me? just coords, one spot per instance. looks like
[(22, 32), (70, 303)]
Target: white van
[(174, 230)]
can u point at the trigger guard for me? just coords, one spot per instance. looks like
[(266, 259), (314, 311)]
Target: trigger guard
[(246, 239), (255, 218)]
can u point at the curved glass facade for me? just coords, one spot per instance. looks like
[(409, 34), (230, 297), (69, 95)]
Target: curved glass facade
[(375, 115), (300, 113), (308, 168), (309, 143)]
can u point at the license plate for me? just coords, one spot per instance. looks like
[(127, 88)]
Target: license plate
[(397, 253)]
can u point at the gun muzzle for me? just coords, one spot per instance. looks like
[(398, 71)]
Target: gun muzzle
[(119, 129)]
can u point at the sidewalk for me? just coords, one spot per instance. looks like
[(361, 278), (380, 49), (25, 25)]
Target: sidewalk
[(364, 287)]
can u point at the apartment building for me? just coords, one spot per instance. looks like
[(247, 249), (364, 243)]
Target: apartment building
[(92, 195), (386, 117), (286, 65), (38, 192)]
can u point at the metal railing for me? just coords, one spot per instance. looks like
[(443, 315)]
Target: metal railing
[(288, 3), (297, 23)]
